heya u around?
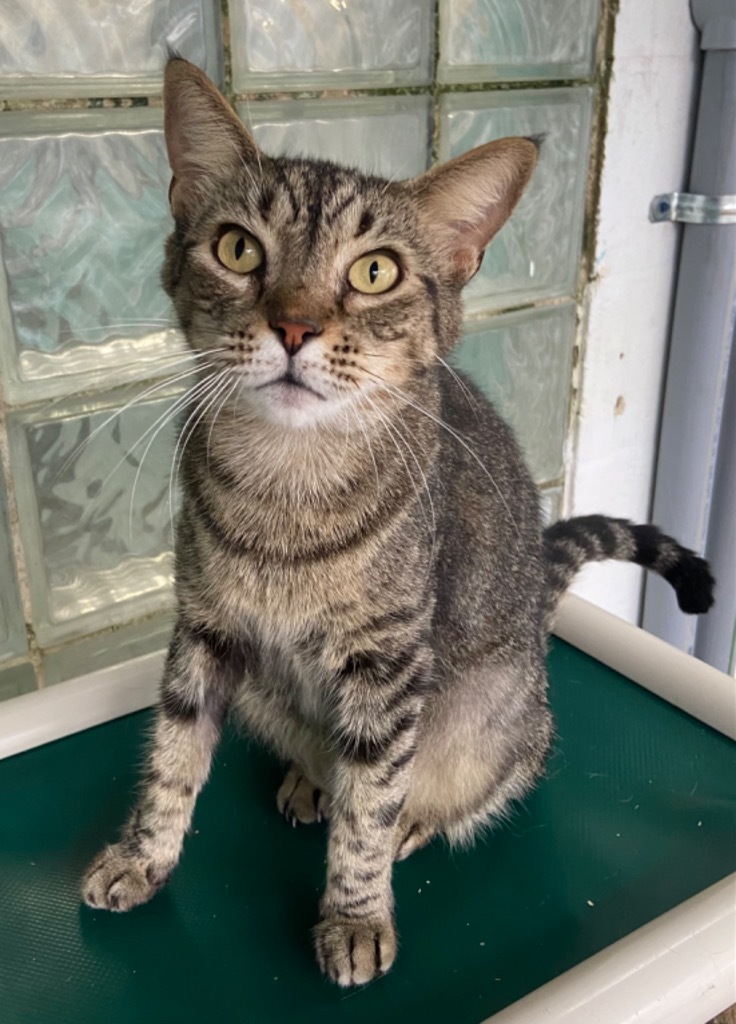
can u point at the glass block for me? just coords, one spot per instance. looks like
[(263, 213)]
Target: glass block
[(551, 504), (389, 136), (522, 362), (13, 640), (83, 220), (536, 254), (330, 44), (102, 49), (103, 650), (92, 483), (516, 40), (16, 680)]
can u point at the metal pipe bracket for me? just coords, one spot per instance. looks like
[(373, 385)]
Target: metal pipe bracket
[(689, 208)]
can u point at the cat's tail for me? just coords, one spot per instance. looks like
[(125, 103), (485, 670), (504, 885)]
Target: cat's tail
[(570, 543)]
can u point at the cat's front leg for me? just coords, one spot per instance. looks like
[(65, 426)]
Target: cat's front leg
[(194, 697), (378, 706)]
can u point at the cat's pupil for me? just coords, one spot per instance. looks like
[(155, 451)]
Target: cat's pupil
[(239, 248), (373, 271)]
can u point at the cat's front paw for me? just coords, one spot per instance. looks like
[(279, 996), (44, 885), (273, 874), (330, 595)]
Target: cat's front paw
[(117, 880), (353, 952)]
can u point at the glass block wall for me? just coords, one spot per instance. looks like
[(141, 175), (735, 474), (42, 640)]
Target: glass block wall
[(87, 339)]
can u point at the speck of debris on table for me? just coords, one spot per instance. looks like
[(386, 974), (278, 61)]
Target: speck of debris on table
[(590, 903)]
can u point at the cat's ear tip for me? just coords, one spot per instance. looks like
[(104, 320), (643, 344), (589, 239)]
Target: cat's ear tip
[(179, 69), (173, 56), (537, 140)]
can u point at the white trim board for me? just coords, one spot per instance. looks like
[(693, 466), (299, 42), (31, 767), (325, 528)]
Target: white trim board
[(704, 692), (689, 684), (36, 718), (678, 969)]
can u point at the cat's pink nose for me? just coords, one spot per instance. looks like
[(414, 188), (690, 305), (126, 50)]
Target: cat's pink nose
[(293, 333)]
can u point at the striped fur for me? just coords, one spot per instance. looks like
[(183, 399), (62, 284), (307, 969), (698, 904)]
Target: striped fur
[(361, 574)]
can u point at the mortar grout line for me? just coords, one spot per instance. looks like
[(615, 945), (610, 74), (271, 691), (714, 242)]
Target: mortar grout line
[(21, 566), (586, 276)]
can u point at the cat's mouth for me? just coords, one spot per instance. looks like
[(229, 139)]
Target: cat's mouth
[(289, 383)]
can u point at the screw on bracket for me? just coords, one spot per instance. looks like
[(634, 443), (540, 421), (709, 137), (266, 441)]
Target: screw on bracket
[(689, 208)]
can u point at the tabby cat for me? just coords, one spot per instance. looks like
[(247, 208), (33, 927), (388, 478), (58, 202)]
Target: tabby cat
[(361, 573)]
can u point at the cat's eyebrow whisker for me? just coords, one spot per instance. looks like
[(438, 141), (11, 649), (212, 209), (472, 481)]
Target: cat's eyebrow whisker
[(399, 393)]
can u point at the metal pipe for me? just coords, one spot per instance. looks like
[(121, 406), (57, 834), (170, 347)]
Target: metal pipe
[(695, 404)]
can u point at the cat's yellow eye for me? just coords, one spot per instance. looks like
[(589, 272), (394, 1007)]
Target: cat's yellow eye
[(374, 273), (239, 251)]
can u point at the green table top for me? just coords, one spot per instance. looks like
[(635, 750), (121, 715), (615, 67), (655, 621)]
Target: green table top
[(637, 813)]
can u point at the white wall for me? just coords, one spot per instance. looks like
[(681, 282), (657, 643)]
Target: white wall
[(628, 302)]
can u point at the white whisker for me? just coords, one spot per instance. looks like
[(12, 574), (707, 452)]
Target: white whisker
[(157, 426), (399, 393), (370, 450), (187, 431), (139, 397), (461, 384), (227, 397), (391, 428)]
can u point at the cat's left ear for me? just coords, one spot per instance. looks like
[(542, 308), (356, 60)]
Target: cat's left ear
[(206, 141), (465, 201)]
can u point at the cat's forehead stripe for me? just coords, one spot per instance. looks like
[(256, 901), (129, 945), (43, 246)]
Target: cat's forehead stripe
[(366, 223), (341, 207), (289, 191)]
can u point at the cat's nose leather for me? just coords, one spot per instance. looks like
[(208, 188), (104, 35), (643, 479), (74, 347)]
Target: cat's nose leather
[(293, 333)]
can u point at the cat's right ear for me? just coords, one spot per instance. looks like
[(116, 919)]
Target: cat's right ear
[(205, 140)]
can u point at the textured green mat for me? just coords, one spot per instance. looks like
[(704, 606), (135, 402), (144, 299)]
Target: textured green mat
[(637, 814)]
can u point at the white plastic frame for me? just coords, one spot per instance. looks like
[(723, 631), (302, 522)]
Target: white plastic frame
[(678, 969)]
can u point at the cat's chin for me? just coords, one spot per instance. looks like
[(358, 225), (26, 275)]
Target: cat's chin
[(292, 405)]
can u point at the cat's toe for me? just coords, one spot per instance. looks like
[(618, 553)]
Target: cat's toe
[(413, 837), (353, 952), (115, 880), (300, 801)]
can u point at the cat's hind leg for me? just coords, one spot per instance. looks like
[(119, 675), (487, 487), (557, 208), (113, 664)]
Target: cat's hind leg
[(300, 801), (483, 745)]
